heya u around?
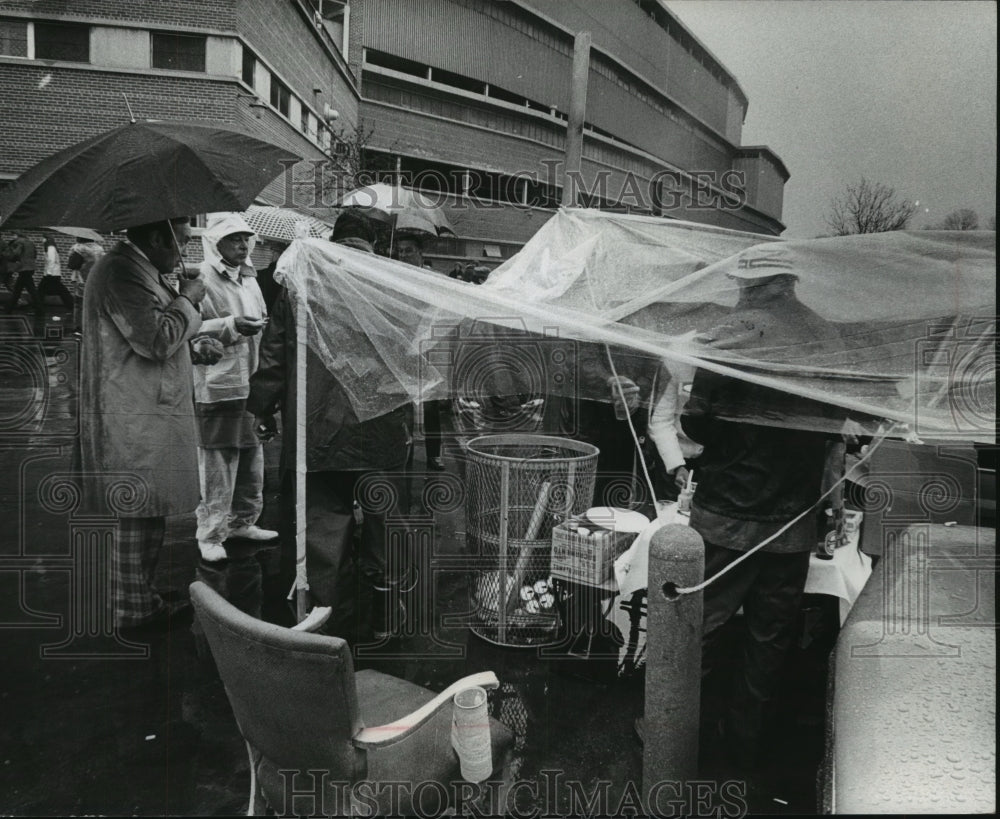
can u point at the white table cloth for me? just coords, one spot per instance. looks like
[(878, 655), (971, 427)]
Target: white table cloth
[(843, 577)]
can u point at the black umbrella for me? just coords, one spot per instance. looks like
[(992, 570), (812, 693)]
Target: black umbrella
[(143, 172)]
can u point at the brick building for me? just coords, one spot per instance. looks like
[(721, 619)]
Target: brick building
[(270, 67), (467, 98)]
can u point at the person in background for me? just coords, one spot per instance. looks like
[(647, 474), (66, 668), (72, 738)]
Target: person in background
[(138, 438), (4, 262), (52, 283), (22, 265), (675, 449), (410, 249), (340, 452), (230, 455), (621, 465), (83, 255), (354, 229), (269, 288), (470, 273), (477, 273)]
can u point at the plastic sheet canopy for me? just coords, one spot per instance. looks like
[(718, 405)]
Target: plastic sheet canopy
[(898, 326)]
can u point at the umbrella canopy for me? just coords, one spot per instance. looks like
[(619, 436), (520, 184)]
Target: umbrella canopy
[(143, 172), (77, 232), (412, 210), (279, 224)]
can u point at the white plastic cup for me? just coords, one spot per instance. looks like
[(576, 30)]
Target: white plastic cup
[(470, 734), (684, 499)]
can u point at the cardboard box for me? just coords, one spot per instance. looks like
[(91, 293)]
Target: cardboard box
[(586, 558)]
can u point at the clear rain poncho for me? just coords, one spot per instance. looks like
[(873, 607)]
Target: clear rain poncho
[(898, 326)]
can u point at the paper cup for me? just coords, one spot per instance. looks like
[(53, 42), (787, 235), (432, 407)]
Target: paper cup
[(470, 734)]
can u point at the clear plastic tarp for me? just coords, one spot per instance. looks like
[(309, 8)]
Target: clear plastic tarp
[(898, 326)]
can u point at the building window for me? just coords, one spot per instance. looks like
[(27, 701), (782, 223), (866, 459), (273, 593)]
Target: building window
[(13, 38), (62, 41), (180, 52), (249, 66), (280, 96)]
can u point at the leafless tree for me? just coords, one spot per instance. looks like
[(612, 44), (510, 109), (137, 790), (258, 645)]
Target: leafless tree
[(344, 171), (869, 207), (962, 219)]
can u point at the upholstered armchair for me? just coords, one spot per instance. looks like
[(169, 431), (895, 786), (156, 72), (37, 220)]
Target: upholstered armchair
[(324, 739)]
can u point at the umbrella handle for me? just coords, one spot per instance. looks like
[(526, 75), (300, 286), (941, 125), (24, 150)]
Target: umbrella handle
[(180, 253)]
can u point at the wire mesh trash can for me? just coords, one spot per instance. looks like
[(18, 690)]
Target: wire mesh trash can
[(519, 487)]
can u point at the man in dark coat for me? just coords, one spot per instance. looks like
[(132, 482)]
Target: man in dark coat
[(752, 480), (137, 442), (347, 460)]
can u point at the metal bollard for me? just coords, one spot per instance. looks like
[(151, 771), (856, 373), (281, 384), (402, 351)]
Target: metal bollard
[(673, 664)]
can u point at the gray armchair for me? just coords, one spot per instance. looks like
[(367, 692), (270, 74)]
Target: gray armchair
[(315, 729)]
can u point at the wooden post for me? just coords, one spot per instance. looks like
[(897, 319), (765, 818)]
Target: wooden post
[(673, 673), (577, 114)]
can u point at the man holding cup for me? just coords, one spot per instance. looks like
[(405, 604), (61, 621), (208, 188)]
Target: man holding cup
[(137, 437), (230, 454)]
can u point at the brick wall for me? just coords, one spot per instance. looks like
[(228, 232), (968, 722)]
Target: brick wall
[(217, 14), (44, 109)]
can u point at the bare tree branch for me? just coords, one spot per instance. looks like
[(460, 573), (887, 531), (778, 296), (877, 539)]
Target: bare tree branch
[(869, 207)]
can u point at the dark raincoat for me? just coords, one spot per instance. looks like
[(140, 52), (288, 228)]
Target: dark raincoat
[(335, 441)]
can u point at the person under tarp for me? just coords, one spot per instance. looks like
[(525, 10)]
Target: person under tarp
[(753, 482), (347, 460)]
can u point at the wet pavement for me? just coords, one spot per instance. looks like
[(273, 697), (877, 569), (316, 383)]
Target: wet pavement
[(147, 729)]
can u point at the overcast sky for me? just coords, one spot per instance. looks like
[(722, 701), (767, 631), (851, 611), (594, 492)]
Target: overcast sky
[(903, 93)]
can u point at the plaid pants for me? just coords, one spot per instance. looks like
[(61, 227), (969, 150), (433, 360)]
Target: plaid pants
[(133, 565)]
